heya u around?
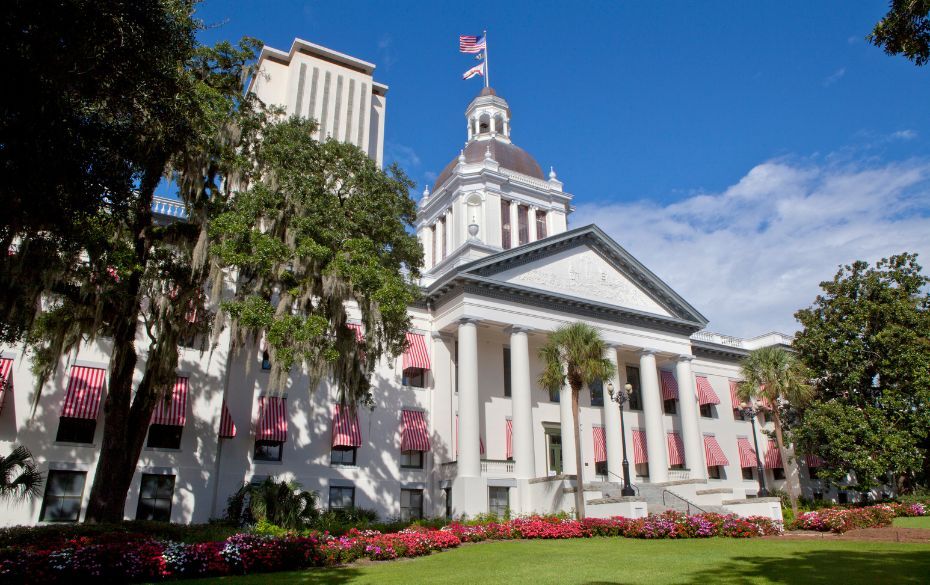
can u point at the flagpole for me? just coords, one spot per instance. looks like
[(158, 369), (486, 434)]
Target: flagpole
[(487, 68)]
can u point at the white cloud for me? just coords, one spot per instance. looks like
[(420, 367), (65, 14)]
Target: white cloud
[(405, 156), (750, 256), (904, 134), (834, 77)]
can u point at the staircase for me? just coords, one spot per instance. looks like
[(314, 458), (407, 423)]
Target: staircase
[(661, 497)]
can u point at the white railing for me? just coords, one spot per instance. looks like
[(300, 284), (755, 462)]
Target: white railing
[(169, 207), (773, 338), (718, 338), (496, 467), (531, 181), (679, 474)]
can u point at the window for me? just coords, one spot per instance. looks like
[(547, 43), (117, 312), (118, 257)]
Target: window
[(341, 497), (670, 406), (523, 230), (636, 396), (63, 493), (268, 450), (411, 459), (76, 430), (507, 372), (164, 436), (442, 252), (414, 377), (555, 396), (411, 505), (778, 473), (708, 411), (155, 496), (505, 224), (455, 365), (716, 472), (597, 393), (435, 245), (498, 501), (842, 498), (266, 360), (813, 473), (676, 466), (641, 469), (342, 456), (540, 225), (600, 467), (748, 474), (448, 493)]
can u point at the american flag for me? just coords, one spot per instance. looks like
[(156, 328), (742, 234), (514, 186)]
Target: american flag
[(471, 44), (476, 70)]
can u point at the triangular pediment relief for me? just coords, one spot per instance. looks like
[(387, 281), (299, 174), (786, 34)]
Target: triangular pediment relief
[(582, 272)]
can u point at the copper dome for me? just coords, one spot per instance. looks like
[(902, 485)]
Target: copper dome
[(507, 155)]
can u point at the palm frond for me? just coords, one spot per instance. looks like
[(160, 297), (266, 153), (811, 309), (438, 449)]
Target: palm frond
[(19, 478)]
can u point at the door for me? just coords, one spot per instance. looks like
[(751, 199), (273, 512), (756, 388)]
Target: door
[(554, 441)]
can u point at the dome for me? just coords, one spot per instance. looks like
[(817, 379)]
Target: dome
[(507, 155)]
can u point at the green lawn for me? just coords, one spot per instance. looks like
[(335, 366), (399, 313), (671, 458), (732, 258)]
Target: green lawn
[(612, 561), (917, 522)]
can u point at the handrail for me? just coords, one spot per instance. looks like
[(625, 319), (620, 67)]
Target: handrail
[(688, 503), (632, 485)]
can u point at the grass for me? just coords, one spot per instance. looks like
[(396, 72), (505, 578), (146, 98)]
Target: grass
[(916, 522), (614, 561)]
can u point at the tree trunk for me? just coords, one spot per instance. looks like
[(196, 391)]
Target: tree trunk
[(579, 465), (792, 474)]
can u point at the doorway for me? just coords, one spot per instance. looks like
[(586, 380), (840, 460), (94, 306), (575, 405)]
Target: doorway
[(554, 451)]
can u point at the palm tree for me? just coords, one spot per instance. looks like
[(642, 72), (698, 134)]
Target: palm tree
[(771, 374), (282, 503), (574, 354), (19, 478)]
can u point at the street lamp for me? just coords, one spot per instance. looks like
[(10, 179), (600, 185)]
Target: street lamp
[(620, 397), (750, 412)]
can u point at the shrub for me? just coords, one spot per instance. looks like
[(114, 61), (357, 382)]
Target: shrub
[(844, 519)]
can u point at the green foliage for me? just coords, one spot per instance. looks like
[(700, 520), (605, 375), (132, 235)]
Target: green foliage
[(19, 478), (320, 227), (51, 534), (274, 503), (905, 30), (866, 340), (574, 354)]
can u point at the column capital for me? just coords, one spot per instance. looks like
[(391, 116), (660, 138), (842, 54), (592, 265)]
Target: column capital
[(518, 329), (468, 321), (685, 357), (441, 335), (644, 351)]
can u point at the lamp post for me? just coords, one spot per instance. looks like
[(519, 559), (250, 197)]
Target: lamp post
[(750, 412), (620, 397)]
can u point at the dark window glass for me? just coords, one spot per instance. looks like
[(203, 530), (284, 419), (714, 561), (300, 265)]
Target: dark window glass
[(523, 230), (455, 365), (676, 466), (540, 225), (164, 436), (507, 371), (63, 493), (600, 467), (342, 456), (555, 396), (411, 459), (708, 411), (748, 473), (76, 430), (268, 450), (415, 377), (778, 473), (636, 396), (670, 406), (445, 231), (842, 498), (813, 473), (448, 494), (498, 500), (505, 224), (341, 498), (713, 472), (155, 496), (266, 360), (411, 505), (597, 393), (641, 470)]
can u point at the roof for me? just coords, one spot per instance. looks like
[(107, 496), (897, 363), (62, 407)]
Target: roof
[(507, 155)]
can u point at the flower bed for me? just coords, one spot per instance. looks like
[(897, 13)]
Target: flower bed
[(122, 557), (841, 520)]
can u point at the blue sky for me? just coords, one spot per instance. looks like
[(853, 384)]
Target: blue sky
[(742, 150)]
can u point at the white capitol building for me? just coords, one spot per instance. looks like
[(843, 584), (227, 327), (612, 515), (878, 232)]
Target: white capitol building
[(460, 424)]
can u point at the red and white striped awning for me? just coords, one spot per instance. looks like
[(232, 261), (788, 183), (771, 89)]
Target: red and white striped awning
[(509, 439), (414, 434), (600, 444), (734, 395), (480, 440), (6, 378), (676, 449), (640, 454), (705, 391), (773, 456), (416, 355), (669, 385), (747, 455), (85, 388), (346, 432), (713, 452), (813, 460), (357, 328), (272, 419), (227, 426), (172, 410)]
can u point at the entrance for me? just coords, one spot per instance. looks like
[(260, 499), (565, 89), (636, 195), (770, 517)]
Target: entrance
[(554, 450)]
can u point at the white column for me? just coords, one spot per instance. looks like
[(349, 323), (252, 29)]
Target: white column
[(469, 456), (524, 457), (568, 434), (427, 242), (506, 127), (690, 432), (656, 441), (470, 127), (612, 422), (493, 124), (531, 221), (514, 225)]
